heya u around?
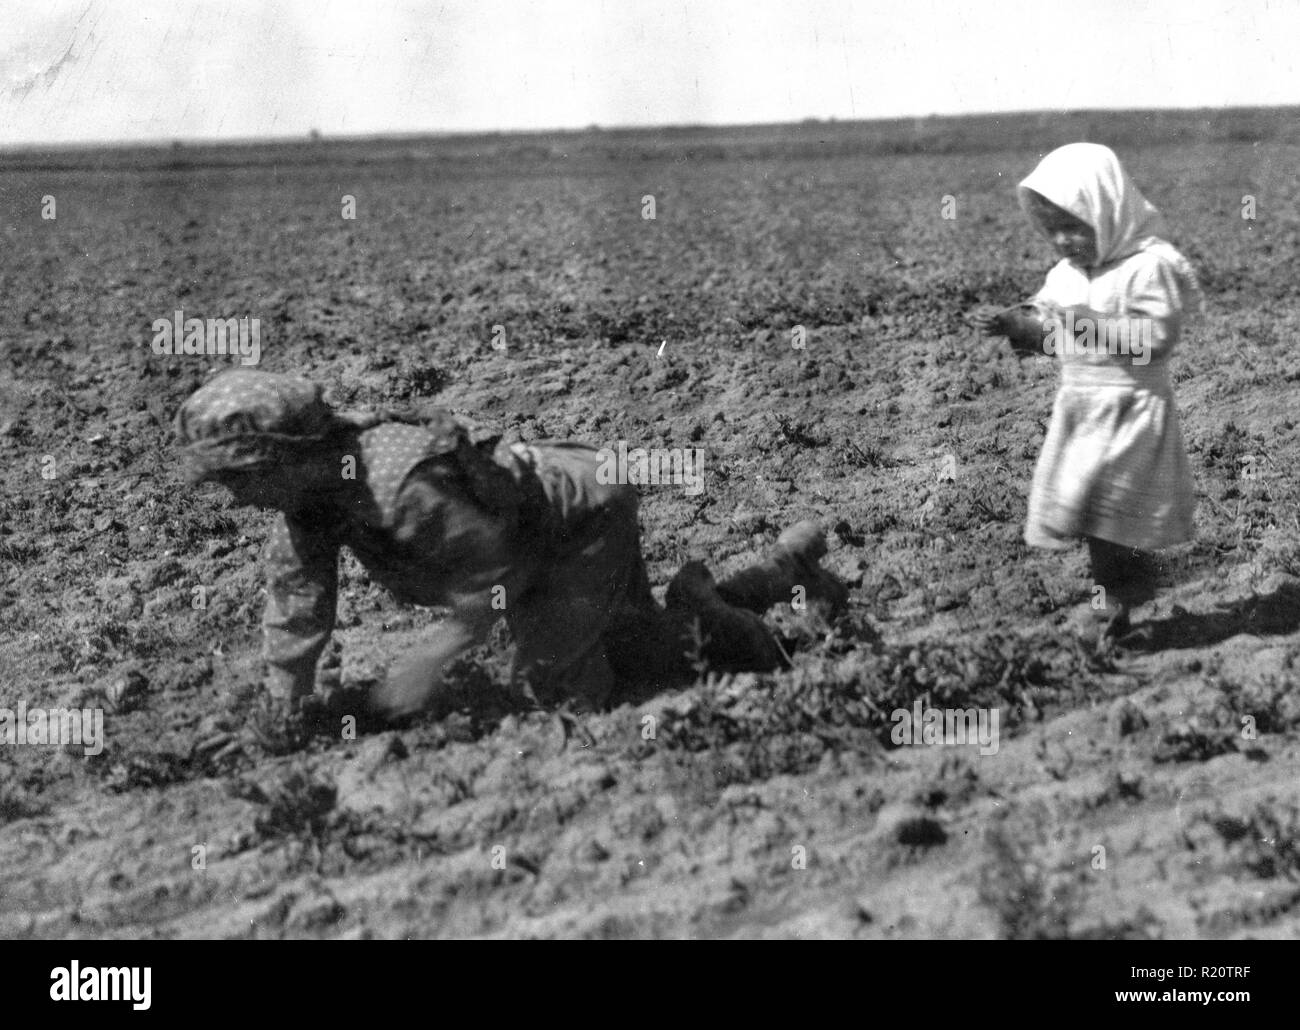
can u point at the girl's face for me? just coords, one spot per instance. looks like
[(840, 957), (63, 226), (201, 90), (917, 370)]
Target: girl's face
[(1072, 238), (258, 488), (290, 485)]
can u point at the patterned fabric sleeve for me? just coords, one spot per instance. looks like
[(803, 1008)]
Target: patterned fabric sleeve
[(302, 594)]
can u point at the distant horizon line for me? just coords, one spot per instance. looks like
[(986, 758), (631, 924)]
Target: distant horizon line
[(315, 136)]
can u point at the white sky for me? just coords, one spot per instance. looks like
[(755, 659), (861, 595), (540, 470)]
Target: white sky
[(102, 70)]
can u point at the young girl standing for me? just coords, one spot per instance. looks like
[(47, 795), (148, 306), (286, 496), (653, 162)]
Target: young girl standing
[(1114, 467)]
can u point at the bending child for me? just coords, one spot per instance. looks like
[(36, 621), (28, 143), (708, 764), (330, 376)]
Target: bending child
[(440, 521), (1114, 468)]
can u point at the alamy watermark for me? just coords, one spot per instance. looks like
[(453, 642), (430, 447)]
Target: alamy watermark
[(653, 466), (57, 727), (74, 982), (924, 726), (211, 336), (1070, 336)]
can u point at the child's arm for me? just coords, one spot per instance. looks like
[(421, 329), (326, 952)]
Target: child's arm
[(412, 684), (478, 561), (302, 594), (1157, 294), (1022, 325)]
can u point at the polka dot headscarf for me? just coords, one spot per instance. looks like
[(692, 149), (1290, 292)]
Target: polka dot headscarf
[(245, 418)]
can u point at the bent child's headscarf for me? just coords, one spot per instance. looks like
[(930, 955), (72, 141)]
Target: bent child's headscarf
[(247, 419), (1087, 180)]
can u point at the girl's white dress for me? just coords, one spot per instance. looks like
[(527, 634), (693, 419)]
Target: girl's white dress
[(1114, 465)]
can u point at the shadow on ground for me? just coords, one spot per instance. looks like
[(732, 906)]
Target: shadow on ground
[(1274, 614)]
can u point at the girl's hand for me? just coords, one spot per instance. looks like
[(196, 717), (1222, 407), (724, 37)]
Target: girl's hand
[(1023, 326), (988, 319)]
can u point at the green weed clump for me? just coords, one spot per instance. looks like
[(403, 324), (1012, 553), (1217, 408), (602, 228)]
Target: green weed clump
[(785, 723), (1264, 842), (1233, 719), (1030, 903)]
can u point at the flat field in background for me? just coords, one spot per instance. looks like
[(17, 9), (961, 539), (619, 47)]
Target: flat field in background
[(762, 805)]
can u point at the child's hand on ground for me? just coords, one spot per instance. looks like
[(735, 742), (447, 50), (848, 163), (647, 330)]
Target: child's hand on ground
[(408, 688), (416, 682), (284, 683)]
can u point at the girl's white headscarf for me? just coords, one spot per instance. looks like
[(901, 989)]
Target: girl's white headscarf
[(1087, 180)]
